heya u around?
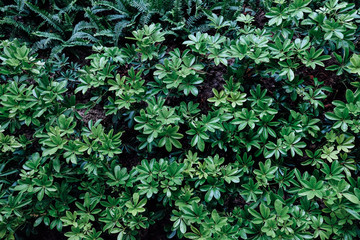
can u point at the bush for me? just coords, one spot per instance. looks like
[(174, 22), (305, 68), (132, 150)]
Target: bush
[(241, 125)]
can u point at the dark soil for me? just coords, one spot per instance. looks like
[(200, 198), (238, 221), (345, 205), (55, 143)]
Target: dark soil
[(235, 201), (213, 79), (260, 19), (42, 233), (93, 114), (156, 231)]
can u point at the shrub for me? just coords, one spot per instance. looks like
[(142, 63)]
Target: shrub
[(246, 129)]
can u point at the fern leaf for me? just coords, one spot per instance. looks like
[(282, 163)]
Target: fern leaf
[(77, 44), (48, 35), (191, 21), (115, 17), (145, 18), (56, 50), (106, 33), (94, 19), (140, 5), (41, 44), (10, 21), (82, 35), (82, 25), (118, 29), (69, 8), (177, 10), (111, 6), (20, 5), (44, 15)]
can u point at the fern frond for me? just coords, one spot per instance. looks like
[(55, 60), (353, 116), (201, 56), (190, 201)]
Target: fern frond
[(82, 35), (115, 17), (189, 6), (116, 7), (44, 15), (56, 50), (69, 8), (118, 29), (106, 33), (48, 35), (10, 21), (94, 19), (145, 18), (98, 9), (123, 4), (140, 5), (20, 5), (69, 20), (191, 21), (77, 44), (177, 10), (41, 44), (201, 28), (82, 25)]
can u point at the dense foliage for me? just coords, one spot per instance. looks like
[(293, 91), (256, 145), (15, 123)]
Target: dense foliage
[(140, 119)]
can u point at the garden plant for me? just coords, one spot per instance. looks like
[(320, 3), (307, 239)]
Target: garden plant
[(174, 119)]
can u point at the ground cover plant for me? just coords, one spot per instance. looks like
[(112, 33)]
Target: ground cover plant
[(179, 119)]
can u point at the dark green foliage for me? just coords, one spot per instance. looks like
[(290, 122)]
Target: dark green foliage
[(57, 25), (199, 119)]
